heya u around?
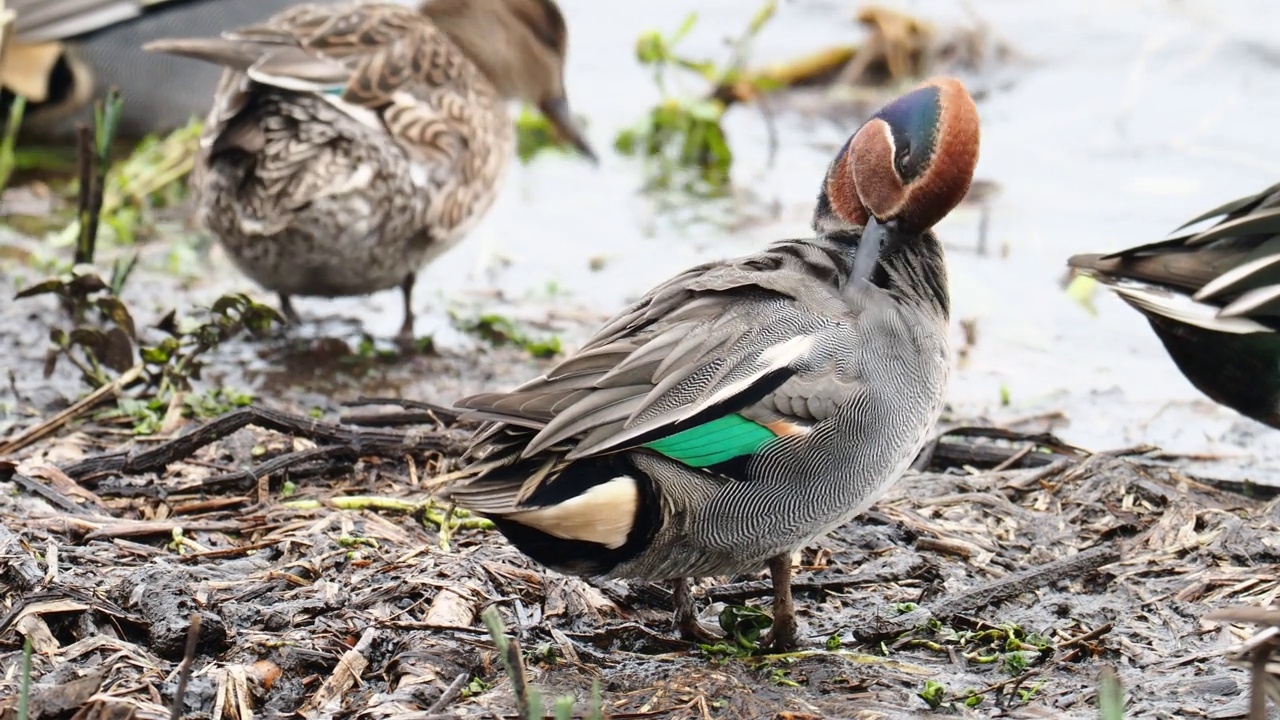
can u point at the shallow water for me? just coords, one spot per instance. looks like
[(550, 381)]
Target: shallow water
[(1123, 119)]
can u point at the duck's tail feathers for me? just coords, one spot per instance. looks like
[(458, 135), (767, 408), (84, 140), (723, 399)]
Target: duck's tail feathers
[(219, 51)]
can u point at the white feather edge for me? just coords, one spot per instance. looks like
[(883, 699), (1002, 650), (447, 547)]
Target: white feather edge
[(1229, 277), (775, 357), (1250, 301), (1182, 308), (603, 515), (364, 115)]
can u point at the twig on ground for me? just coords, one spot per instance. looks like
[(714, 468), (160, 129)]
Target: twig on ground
[(77, 409), (345, 675), (249, 478), (957, 447), (997, 590), (354, 442), (49, 495), (1256, 652), (184, 670), (449, 695), (1090, 636), (418, 413), (17, 567)]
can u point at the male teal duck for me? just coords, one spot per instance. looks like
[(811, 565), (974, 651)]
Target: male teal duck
[(66, 53), (745, 407), (349, 145), (1213, 298)]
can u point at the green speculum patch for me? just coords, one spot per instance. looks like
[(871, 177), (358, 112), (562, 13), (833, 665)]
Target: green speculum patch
[(714, 442)]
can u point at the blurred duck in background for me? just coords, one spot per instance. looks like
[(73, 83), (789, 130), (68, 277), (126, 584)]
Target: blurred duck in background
[(63, 54), (349, 145), (1212, 296)]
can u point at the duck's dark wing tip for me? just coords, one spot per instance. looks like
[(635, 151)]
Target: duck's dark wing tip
[(1091, 262), (217, 51), (478, 401)]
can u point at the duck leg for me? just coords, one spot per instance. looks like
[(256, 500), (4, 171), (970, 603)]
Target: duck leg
[(286, 309), (783, 636), (405, 336), (687, 615)]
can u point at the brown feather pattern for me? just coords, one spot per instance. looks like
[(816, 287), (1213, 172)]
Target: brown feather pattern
[(350, 127)]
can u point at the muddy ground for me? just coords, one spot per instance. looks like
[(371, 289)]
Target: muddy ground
[(327, 590)]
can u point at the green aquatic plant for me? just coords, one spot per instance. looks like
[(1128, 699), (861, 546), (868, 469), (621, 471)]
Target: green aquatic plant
[(833, 641), (535, 134), (682, 136), (1081, 290), (781, 676), (477, 686), (744, 625), (115, 199), (99, 345), (93, 151), (933, 693), (152, 174), (107, 347), (217, 401), (126, 193), (1026, 694), (147, 414), (1007, 646), (499, 330), (173, 362), (1015, 663)]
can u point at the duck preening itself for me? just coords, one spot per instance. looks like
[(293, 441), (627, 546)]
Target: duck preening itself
[(1212, 296), (351, 144), (745, 407)]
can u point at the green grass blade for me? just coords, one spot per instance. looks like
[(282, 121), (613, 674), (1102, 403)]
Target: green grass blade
[(10, 140), (24, 693)]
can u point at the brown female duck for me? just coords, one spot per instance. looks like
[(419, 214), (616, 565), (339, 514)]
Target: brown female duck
[(745, 407), (349, 145)]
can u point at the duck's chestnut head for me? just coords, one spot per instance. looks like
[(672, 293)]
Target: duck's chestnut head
[(911, 163)]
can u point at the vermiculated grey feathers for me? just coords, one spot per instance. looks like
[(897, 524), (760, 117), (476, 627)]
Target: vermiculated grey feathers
[(853, 374)]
